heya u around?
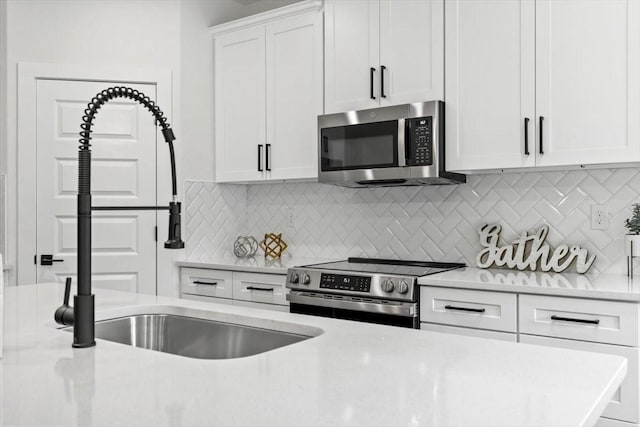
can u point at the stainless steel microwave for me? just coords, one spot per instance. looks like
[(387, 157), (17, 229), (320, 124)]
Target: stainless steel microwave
[(387, 146)]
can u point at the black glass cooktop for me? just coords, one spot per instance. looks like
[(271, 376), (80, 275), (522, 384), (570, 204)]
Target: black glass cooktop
[(388, 266)]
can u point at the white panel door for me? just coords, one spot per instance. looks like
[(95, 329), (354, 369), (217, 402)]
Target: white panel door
[(352, 49), (240, 129), (587, 78), (122, 173), (294, 96), (411, 51), (489, 83)]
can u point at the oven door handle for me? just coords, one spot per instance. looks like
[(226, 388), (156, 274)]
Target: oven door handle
[(406, 309)]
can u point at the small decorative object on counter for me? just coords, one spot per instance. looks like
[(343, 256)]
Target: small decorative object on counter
[(273, 245), (245, 247), (632, 239), (527, 251)]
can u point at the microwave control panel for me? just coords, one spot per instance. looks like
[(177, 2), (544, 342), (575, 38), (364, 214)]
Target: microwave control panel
[(419, 141)]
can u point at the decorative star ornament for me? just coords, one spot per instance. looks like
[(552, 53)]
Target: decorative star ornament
[(273, 245)]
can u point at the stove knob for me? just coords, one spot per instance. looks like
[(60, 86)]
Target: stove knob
[(306, 279), (403, 288), (387, 285), (295, 278)]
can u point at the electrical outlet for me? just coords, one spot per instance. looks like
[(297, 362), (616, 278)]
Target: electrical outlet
[(599, 217), (291, 217)]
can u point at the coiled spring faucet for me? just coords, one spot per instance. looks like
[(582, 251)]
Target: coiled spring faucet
[(82, 315)]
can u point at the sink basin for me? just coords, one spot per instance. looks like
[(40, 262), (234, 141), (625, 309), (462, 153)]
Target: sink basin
[(193, 337)]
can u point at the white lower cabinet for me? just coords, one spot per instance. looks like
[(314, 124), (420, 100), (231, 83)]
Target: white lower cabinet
[(262, 288), (624, 405), (583, 324), (258, 290), (469, 308)]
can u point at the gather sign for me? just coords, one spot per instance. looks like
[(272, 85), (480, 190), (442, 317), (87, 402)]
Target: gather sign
[(530, 252)]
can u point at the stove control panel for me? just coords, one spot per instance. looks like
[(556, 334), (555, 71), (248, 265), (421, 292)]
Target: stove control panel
[(395, 287), (345, 282)]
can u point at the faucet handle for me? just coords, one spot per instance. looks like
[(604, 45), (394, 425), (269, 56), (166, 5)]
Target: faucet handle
[(64, 314), (67, 291)]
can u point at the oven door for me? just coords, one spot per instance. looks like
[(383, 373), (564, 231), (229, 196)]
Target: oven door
[(362, 152), (393, 313)]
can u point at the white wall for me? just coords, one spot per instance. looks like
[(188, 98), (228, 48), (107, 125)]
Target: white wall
[(130, 33)]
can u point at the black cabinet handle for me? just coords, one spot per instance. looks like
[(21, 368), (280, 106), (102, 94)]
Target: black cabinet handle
[(541, 135), (267, 155), (472, 310), (255, 288), (259, 157), (371, 72), (571, 319), (200, 282), (382, 68), (526, 136), (48, 260)]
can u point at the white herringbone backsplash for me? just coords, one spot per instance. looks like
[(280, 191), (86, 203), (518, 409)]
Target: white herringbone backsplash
[(432, 223)]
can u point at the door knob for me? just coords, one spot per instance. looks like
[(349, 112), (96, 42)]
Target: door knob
[(48, 260)]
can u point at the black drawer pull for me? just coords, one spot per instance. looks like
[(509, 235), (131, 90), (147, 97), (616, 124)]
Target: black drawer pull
[(526, 136), (200, 282), (472, 310), (541, 135), (571, 319), (255, 288), (371, 71)]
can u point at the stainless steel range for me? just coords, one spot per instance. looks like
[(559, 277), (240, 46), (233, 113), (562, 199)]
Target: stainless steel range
[(364, 289)]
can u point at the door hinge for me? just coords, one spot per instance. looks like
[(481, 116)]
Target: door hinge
[(156, 233)]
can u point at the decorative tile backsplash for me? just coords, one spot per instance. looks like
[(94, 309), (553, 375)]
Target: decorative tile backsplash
[(433, 222)]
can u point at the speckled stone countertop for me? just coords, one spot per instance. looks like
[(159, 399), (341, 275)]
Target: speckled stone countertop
[(602, 286), (348, 374)]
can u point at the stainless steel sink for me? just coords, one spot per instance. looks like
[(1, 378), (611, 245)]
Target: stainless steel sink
[(193, 337)]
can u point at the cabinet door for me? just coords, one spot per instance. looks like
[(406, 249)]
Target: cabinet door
[(489, 84), (587, 83), (240, 105), (411, 51), (294, 96), (351, 51)]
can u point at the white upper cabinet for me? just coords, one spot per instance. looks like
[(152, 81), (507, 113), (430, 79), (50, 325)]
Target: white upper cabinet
[(294, 96), (268, 94), (411, 51), (570, 66), (351, 54), (490, 84), (382, 52), (588, 81), (239, 104)]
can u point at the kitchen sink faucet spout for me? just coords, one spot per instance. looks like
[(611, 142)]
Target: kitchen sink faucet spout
[(82, 314)]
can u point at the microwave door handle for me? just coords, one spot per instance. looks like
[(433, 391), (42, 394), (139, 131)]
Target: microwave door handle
[(402, 153)]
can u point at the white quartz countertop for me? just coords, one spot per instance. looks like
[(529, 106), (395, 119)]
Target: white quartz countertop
[(602, 286), (353, 374), (257, 264)]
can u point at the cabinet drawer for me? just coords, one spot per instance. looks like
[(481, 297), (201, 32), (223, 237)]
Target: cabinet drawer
[(502, 336), (624, 405), (210, 283), (578, 319), (265, 288), (467, 308)]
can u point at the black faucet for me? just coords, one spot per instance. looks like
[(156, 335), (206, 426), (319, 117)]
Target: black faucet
[(82, 315)]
